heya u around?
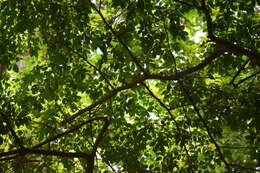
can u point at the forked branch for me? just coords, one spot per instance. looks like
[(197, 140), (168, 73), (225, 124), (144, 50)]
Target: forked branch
[(142, 78)]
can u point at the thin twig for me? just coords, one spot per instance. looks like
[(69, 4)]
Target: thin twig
[(99, 7), (238, 72), (248, 77), (124, 10), (118, 37), (109, 165), (169, 112), (74, 128), (93, 66), (205, 126), (46, 125)]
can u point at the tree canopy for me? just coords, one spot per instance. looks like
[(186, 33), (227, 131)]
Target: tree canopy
[(129, 86)]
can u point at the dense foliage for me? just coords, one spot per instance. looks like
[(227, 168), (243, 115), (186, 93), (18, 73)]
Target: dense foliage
[(129, 86)]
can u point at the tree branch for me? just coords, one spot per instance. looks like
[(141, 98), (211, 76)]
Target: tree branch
[(101, 135), (141, 78), (33, 150), (57, 153), (254, 55), (9, 126), (118, 37), (108, 164), (105, 98), (123, 11), (238, 72), (90, 163), (235, 48), (205, 126), (93, 66), (26, 151), (169, 112), (208, 20), (248, 77), (74, 128), (180, 106)]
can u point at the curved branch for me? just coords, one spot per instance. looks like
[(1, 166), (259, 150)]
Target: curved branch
[(105, 98), (142, 78), (17, 153), (254, 55), (191, 70), (235, 48)]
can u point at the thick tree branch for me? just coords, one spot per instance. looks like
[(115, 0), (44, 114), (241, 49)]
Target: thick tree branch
[(142, 78), (208, 20), (33, 150), (235, 48), (8, 153), (204, 63)]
